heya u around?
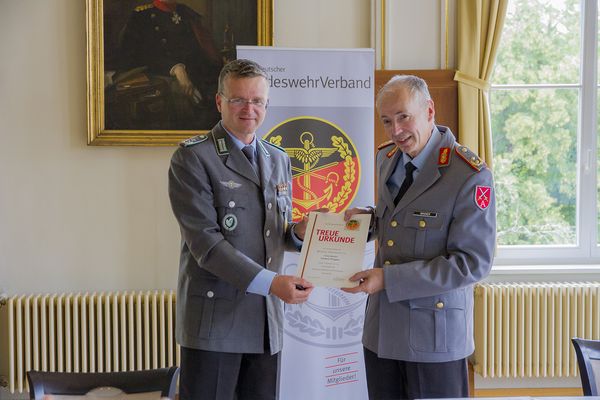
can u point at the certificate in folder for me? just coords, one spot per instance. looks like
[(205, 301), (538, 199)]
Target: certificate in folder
[(333, 249)]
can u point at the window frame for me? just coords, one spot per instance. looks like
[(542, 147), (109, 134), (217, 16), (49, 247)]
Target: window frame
[(586, 250)]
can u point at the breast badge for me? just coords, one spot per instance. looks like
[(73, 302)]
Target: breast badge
[(230, 184), (229, 222), (325, 164)]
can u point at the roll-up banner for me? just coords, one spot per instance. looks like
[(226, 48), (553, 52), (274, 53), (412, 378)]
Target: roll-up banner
[(321, 112)]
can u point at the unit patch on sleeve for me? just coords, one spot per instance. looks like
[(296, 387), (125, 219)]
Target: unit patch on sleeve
[(483, 196)]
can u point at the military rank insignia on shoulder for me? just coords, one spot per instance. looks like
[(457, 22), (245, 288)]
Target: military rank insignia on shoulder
[(384, 145), (469, 157), (144, 7), (387, 144), (193, 140)]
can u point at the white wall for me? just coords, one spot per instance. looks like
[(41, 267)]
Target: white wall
[(72, 217), (322, 23)]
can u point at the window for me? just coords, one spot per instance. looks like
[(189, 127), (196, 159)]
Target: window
[(543, 117)]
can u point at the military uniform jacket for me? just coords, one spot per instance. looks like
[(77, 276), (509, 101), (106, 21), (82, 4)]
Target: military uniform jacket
[(233, 224), (434, 245)]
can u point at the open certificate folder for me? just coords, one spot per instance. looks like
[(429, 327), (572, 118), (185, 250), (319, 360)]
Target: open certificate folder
[(333, 249)]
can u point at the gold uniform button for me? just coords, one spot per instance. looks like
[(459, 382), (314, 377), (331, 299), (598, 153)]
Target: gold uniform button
[(387, 263), (422, 223), (439, 305), (394, 224), (390, 243)]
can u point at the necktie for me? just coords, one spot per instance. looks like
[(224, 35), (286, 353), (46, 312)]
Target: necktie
[(408, 180), (249, 153)]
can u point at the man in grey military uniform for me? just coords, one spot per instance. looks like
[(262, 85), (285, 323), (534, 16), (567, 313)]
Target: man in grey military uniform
[(231, 195), (435, 222)]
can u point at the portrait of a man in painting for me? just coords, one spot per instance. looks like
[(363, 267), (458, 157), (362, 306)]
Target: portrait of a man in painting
[(162, 59)]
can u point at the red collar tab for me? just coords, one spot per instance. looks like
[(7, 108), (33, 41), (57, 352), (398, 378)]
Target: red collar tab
[(444, 158), (392, 152), (164, 6)]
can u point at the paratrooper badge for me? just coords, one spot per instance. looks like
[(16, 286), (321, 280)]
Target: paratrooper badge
[(325, 164)]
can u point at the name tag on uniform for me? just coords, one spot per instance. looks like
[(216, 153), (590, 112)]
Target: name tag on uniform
[(425, 214)]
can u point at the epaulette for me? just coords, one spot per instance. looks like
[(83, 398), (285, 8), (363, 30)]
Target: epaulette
[(384, 144), (144, 7), (470, 158), (193, 140), (387, 144), (272, 144)]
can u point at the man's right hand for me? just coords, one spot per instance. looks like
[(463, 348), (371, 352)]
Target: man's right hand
[(356, 210), (291, 289)]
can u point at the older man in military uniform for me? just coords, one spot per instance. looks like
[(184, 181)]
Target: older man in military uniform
[(231, 194), (435, 223)]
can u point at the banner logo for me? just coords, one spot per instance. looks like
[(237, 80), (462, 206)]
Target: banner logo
[(325, 163)]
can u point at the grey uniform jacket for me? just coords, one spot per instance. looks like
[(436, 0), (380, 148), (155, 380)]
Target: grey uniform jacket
[(233, 224), (434, 245)]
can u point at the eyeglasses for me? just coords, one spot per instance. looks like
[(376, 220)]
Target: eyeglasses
[(239, 102)]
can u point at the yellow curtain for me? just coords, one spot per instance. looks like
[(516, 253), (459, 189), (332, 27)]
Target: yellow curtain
[(479, 25)]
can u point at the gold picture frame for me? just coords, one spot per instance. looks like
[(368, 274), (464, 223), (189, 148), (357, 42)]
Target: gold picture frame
[(131, 104)]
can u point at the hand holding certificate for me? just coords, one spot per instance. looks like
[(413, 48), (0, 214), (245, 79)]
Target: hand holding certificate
[(333, 249)]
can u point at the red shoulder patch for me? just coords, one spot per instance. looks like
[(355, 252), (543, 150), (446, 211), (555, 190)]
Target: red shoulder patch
[(483, 196)]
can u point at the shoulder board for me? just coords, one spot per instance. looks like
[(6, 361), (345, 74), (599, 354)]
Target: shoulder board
[(384, 144), (193, 140), (469, 157), (272, 144), (144, 7)]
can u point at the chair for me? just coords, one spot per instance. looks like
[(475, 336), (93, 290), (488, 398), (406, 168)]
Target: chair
[(588, 359), (66, 384)]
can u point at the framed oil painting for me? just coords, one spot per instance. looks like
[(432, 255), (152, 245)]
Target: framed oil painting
[(153, 64)]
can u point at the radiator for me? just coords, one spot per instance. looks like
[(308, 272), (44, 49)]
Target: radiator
[(105, 332), (525, 329)]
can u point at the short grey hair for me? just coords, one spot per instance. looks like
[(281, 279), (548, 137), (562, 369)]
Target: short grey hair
[(240, 68), (414, 84)]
